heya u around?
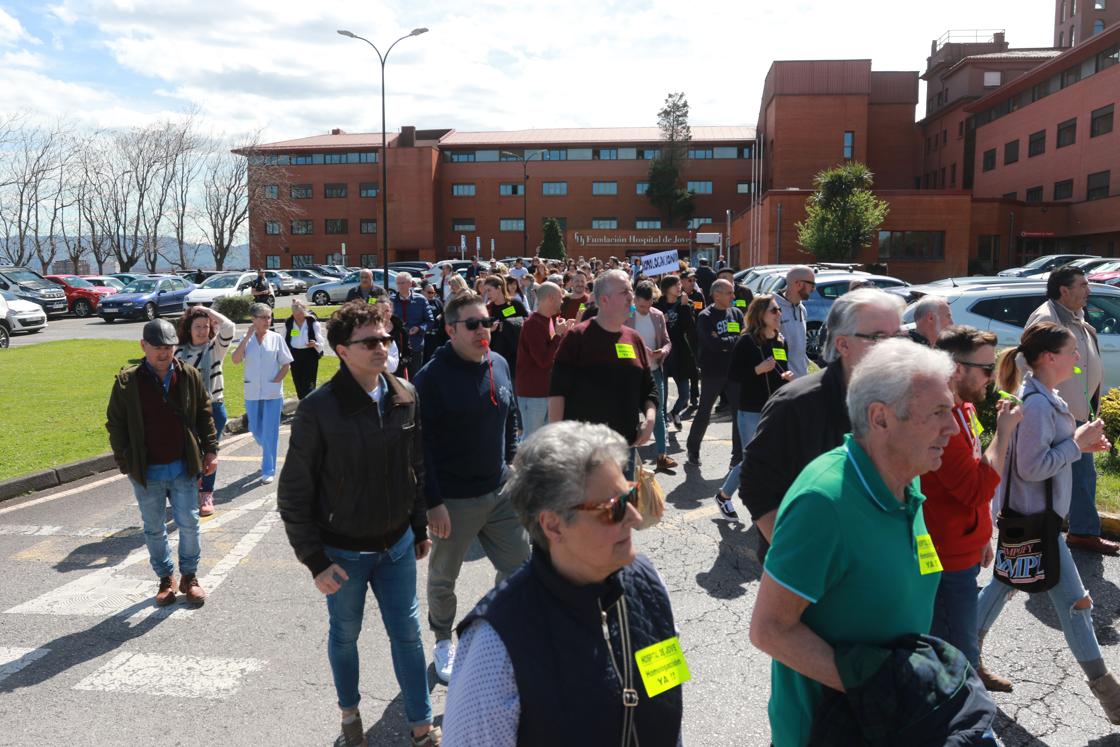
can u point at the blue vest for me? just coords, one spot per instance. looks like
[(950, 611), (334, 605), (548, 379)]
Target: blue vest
[(552, 629)]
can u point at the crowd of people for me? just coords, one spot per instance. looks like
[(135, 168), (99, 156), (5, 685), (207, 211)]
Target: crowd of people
[(514, 407)]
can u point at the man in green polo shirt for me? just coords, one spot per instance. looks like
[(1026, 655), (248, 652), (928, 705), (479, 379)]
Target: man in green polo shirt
[(851, 560)]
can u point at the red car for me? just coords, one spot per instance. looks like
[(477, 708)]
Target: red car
[(1106, 273), (82, 296)]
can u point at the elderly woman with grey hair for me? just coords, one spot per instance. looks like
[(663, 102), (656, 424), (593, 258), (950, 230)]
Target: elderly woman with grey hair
[(267, 360), (305, 340), (579, 645)]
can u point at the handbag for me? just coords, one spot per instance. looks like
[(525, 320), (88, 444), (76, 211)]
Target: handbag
[(1027, 548), (651, 498)]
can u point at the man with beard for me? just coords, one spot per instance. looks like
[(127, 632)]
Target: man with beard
[(800, 284), (959, 494), (578, 299)]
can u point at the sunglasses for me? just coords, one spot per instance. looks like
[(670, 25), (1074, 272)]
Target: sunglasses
[(775, 309), (473, 324), (372, 342), (987, 368), (880, 336), (614, 510)]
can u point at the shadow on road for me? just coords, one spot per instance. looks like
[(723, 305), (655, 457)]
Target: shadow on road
[(102, 553), (736, 565), (1106, 599), (1014, 735), (692, 492)]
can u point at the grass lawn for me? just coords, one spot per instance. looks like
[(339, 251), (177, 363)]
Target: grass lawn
[(1108, 483), (53, 396), (322, 312)]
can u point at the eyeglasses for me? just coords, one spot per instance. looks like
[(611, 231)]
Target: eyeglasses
[(988, 368), (614, 510), (880, 336), (810, 283), (473, 324), (372, 342), (775, 309), (266, 318)]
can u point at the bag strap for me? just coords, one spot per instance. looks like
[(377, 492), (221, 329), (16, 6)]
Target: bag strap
[(1011, 470)]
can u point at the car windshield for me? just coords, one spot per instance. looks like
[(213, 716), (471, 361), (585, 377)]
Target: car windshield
[(140, 285), (220, 281), (24, 276), (1036, 264), (77, 282), (9, 296)]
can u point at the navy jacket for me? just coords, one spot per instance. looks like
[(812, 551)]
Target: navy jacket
[(469, 424), (419, 314)]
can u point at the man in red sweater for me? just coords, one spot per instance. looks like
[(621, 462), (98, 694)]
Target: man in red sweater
[(959, 494), (540, 337)]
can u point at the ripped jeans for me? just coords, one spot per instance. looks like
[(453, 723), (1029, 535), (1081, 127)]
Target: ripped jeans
[(1077, 624)]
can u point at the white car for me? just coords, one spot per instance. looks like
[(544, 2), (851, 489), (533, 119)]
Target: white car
[(17, 315), (1004, 308), (220, 286)]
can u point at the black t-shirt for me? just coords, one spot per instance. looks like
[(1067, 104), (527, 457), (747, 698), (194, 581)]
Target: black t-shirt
[(755, 389), (510, 315), (261, 287)]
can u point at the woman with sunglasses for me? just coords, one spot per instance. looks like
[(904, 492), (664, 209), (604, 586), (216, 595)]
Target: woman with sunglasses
[(760, 365), (579, 611), (1043, 450)]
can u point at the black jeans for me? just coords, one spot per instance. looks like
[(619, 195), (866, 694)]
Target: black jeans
[(305, 370), (411, 363), (710, 388)]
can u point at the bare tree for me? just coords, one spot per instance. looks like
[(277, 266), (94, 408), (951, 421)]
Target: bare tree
[(30, 166), (55, 198), (189, 163)]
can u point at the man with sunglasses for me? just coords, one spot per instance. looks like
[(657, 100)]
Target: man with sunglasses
[(469, 417), (351, 500), (959, 494), (800, 284)]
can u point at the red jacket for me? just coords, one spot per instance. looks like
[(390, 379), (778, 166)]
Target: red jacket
[(536, 350), (959, 496)]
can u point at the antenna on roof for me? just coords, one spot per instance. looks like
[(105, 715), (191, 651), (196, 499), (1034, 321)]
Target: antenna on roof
[(953, 280)]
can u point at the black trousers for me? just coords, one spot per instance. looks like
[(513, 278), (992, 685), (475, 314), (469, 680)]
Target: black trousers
[(305, 370), (411, 363), (710, 389)]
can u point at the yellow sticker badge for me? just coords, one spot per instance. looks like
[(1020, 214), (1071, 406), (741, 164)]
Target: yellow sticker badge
[(741, 303), (974, 423), (733, 327), (698, 305), (582, 308), (625, 350), (780, 354), (509, 311), (928, 562), (662, 666)]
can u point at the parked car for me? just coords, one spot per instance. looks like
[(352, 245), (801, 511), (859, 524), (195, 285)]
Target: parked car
[(147, 298), (1005, 307), (457, 265), (105, 281), (29, 285), (310, 277), (1089, 265), (283, 284), (220, 286), (1107, 273), (21, 315), (327, 271), (128, 277), (980, 280), (82, 296), (335, 291), (415, 267), (1043, 264)]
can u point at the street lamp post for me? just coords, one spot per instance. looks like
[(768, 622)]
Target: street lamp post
[(524, 196), (384, 148)]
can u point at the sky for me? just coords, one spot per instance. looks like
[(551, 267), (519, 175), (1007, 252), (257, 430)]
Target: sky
[(278, 66)]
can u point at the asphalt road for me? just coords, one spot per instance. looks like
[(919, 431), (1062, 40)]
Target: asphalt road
[(85, 657)]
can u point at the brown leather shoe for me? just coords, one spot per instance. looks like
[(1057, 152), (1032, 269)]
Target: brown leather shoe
[(166, 593), (666, 462), (1092, 544), (993, 682), (190, 586)]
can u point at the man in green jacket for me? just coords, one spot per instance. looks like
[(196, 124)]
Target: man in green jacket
[(163, 438)]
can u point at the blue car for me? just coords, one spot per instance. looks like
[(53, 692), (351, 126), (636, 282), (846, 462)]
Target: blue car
[(147, 298)]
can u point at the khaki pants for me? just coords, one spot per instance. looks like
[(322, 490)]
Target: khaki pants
[(492, 520)]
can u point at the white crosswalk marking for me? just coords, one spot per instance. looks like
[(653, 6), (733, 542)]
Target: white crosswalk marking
[(14, 659), (171, 676), (103, 592)]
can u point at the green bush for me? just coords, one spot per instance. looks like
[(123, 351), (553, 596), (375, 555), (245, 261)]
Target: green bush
[(234, 307), (1110, 414)]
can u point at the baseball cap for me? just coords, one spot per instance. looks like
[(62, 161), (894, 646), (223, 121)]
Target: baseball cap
[(160, 332)]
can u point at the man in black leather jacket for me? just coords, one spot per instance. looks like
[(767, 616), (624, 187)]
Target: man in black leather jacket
[(351, 498)]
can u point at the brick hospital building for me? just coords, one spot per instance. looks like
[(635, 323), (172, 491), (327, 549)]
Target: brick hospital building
[(1015, 156)]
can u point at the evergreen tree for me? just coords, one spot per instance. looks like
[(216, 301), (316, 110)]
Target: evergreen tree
[(843, 214), (665, 192), (552, 243)]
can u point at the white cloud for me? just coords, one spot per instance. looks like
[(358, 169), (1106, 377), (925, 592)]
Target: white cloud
[(493, 65), (11, 30)]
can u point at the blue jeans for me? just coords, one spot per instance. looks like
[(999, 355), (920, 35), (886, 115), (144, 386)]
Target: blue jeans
[(183, 493), (748, 424), (954, 612), (264, 424), (392, 577), (659, 423), (1083, 516), (220, 418), (1076, 624), (534, 414)]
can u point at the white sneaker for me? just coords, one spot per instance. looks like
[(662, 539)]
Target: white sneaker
[(267, 480), (444, 656)]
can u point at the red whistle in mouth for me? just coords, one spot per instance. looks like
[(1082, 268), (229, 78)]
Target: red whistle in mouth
[(484, 343)]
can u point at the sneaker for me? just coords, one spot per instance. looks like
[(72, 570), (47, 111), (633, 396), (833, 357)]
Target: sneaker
[(267, 479), (676, 418), (444, 656), (353, 735), (189, 585), (205, 504), (665, 463), (432, 739), (166, 593), (726, 507)]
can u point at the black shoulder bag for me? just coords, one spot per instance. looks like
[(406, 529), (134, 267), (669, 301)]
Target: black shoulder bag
[(1027, 548)]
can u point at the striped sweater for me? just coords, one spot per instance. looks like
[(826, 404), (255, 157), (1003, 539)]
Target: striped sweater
[(218, 347)]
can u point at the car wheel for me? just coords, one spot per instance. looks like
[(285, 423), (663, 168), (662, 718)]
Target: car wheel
[(82, 308), (814, 342), (5, 338), (272, 301), (150, 311), (321, 298), (108, 319)]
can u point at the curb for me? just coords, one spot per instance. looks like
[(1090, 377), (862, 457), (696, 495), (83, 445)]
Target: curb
[(1110, 525), (56, 476)]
